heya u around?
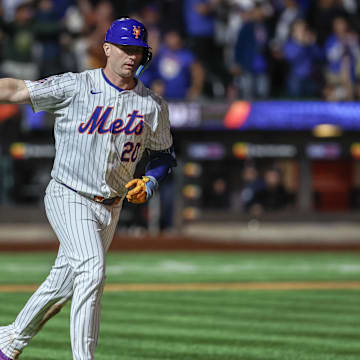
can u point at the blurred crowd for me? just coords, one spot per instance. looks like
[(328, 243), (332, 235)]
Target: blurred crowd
[(254, 190), (203, 49), (230, 49)]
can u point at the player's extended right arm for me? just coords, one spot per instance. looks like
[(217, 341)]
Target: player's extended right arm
[(14, 91)]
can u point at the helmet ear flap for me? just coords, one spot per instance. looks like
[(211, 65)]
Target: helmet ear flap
[(144, 62), (146, 57), (147, 53)]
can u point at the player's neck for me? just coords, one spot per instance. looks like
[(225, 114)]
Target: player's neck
[(119, 81)]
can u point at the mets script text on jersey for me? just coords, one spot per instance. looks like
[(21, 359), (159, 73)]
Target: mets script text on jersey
[(98, 119)]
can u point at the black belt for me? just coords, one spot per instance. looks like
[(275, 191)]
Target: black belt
[(99, 199)]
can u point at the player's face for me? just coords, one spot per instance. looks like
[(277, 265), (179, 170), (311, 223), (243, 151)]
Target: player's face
[(124, 59)]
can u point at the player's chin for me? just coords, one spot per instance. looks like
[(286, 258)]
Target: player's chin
[(128, 73)]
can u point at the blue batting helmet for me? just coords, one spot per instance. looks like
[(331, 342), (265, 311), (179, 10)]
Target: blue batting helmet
[(127, 31)]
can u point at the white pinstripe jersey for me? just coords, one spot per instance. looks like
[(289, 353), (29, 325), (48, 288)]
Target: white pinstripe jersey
[(100, 130)]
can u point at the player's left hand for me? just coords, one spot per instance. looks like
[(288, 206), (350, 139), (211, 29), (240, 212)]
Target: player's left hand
[(140, 190)]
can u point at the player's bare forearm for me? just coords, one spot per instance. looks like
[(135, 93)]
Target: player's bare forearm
[(14, 91)]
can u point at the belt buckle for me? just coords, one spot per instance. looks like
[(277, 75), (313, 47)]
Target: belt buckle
[(98, 199), (102, 200)]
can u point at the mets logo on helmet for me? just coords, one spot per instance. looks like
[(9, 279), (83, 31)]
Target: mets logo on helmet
[(136, 31)]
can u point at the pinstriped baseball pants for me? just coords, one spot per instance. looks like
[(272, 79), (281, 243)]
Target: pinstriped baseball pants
[(85, 230)]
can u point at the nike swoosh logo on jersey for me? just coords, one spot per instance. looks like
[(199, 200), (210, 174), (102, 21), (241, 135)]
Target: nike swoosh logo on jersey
[(95, 92)]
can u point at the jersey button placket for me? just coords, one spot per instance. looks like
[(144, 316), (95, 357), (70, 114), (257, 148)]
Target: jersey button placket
[(110, 148)]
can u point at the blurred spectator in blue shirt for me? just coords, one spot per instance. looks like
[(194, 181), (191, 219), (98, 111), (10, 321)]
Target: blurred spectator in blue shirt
[(179, 75), (199, 18), (251, 65), (61, 6), (302, 53), (47, 32), (342, 53), (199, 23)]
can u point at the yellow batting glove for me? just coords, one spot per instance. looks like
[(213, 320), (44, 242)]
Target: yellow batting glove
[(137, 193)]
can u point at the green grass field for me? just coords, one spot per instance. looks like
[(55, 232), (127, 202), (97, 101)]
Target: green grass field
[(206, 325)]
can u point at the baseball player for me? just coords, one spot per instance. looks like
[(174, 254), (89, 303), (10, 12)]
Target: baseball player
[(104, 121)]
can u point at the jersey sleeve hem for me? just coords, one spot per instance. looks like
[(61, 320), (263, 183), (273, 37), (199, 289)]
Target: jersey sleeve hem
[(33, 103)]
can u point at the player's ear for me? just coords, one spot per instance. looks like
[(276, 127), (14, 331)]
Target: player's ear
[(107, 48)]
